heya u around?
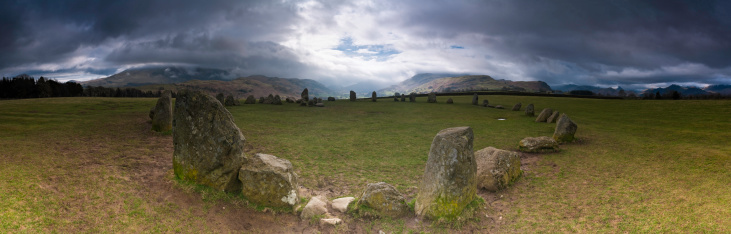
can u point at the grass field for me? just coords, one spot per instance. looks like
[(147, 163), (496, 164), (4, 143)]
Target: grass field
[(91, 164)]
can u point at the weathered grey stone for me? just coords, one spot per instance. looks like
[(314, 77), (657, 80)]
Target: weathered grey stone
[(277, 100), (529, 110), (269, 99), (432, 98), (316, 206), (261, 100), (220, 98), (305, 95), (485, 103), (373, 96), (553, 117), (412, 97), (382, 199), (208, 146), (290, 100), (311, 102), (352, 96), (499, 107), (538, 144), (475, 99), (517, 106), (403, 97), (330, 99), (496, 168), (162, 119), (449, 182), (565, 130), (320, 104), (341, 204), (250, 100), (229, 101), (330, 221), (395, 98), (269, 181), (152, 112), (543, 116), (450, 101)]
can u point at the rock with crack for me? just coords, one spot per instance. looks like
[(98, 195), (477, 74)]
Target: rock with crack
[(565, 130), (538, 144), (270, 181), (208, 146), (496, 168), (382, 200)]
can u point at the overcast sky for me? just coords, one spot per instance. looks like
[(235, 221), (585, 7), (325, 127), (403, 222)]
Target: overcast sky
[(630, 43)]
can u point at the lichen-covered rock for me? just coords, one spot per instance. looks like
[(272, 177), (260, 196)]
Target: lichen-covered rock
[(277, 100), (250, 100), (229, 101), (496, 168), (538, 144), (373, 96), (220, 98), (270, 181), (316, 206), (485, 103), (412, 97), (208, 146), (305, 95), (475, 99), (517, 106), (543, 116), (382, 199), (553, 117), (450, 101), (565, 130), (352, 96), (432, 98), (449, 182), (162, 119), (529, 110), (341, 204)]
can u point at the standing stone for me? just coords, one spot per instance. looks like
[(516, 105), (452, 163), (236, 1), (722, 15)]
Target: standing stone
[(543, 116), (396, 95), (270, 181), (553, 117), (496, 168), (395, 99), (311, 102), (162, 119), (330, 99), (475, 99), (412, 97), (538, 144), (432, 98), (450, 101), (517, 107), (250, 100), (352, 96), (403, 97), (220, 98), (373, 96), (565, 130), (152, 113), (208, 147), (485, 103), (449, 182), (382, 199), (290, 100), (277, 100), (261, 100), (229, 101), (529, 110), (305, 95)]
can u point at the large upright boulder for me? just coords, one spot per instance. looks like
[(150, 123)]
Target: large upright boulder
[(565, 130), (250, 100), (412, 97), (230, 101), (432, 98), (221, 98), (290, 100), (403, 97), (373, 96), (517, 106), (485, 103), (382, 199), (553, 117), (529, 110), (450, 101), (269, 99), (305, 95), (543, 116), (208, 147), (162, 114), (449, 182), (496, 168), (270, 181), (277, 100), (475, 99), (352, 96)]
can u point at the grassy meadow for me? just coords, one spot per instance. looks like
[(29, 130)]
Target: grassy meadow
[(92, 164)]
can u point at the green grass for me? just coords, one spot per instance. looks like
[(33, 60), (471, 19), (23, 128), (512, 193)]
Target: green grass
[(638, 166)]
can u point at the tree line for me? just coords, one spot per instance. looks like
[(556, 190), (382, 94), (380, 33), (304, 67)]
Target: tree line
[(29, 87)]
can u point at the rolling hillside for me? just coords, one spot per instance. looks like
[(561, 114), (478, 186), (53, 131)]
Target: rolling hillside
[(425, 83), (159, 75)]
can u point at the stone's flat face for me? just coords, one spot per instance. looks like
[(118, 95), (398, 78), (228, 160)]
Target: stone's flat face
[(538, 144), (384, 200), (316, 206), (432, 98), (373, 96), (341, 204), (543, 116), (553, 117), (209, 147), (475, 99), (517, 106), (496, 168), (352, 96), (270, 181), (529, 111), (162, 113), (565, 130), (449, 182), (305, 95), (412, 97)]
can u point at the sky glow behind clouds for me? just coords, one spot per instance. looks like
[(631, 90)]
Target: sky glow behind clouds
[(607, 43)]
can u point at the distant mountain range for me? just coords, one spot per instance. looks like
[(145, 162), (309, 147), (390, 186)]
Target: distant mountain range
[(684, 91), (159, 75), (425, 83)]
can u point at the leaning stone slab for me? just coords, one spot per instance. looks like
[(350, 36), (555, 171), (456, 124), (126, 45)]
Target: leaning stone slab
[(517, 107), (208, 146), (341, 204), (553, 117), (383, 200), (496, 168), (543, 116), (529, 111), (316, 206), (538, 144), (269, 181), (565, 130), (162, 114), (449, 182)]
